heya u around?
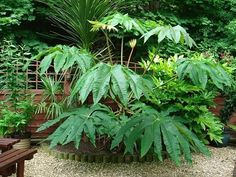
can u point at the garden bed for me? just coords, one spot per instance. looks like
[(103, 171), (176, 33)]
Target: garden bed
[(220, 164)]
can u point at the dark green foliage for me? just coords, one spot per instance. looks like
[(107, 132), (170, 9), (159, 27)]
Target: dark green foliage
[(64, 57), (154, 130), (14, 12), (89, 121), (103, 79), (202, 69), (17, 109)]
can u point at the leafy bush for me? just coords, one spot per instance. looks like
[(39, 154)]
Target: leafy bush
[(17, 109), (15, 12)]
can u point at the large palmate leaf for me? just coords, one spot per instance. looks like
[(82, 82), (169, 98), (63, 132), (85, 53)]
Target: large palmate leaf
[(176, 34), (116, 21), (97, 119), (102, 78), (155, 129), (201, 70), (63, 57)]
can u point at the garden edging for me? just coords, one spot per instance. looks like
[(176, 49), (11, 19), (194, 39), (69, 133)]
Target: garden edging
[(99, 158)]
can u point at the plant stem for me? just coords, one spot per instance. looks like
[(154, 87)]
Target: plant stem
[(155, 54), (130, 55), (122, 50), (146, 69), (108, 47)]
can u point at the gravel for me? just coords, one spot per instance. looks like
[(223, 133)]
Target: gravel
[(221, 163)]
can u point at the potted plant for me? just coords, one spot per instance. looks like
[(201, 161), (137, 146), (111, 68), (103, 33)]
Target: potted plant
[(143, 121), (14, 122)]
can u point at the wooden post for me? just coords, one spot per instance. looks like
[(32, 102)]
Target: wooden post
[(20, 169)]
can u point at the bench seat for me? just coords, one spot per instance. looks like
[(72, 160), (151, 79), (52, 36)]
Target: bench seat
[(15, 158)]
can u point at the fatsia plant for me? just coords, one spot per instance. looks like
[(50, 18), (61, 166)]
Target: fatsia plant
[(152, 130), (201, 70), (83, 120)]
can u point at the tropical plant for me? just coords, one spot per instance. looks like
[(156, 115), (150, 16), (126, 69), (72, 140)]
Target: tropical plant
[(63, 58), (73, 15), (104, 79), (126, 24)]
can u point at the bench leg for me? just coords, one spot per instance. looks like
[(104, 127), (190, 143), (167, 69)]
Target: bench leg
[(20, 169)]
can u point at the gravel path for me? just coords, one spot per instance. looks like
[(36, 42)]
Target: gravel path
[(220, 164)]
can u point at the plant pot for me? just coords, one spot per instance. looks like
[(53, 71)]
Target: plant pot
[(25, 140), (23, 144), (225, 141)]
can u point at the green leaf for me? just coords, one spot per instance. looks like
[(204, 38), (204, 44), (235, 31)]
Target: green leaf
[(147, 140), (59, 61), (102, 83), (46, 62), (120, 84)]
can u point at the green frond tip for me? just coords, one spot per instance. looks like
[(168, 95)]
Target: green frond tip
[(177, 34)]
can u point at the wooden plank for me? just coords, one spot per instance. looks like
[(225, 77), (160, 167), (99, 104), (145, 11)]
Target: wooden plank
[(6, 143), (18, 158), (12, 154)]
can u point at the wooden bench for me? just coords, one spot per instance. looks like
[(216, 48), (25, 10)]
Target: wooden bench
[(7, 143), (15, 158)]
